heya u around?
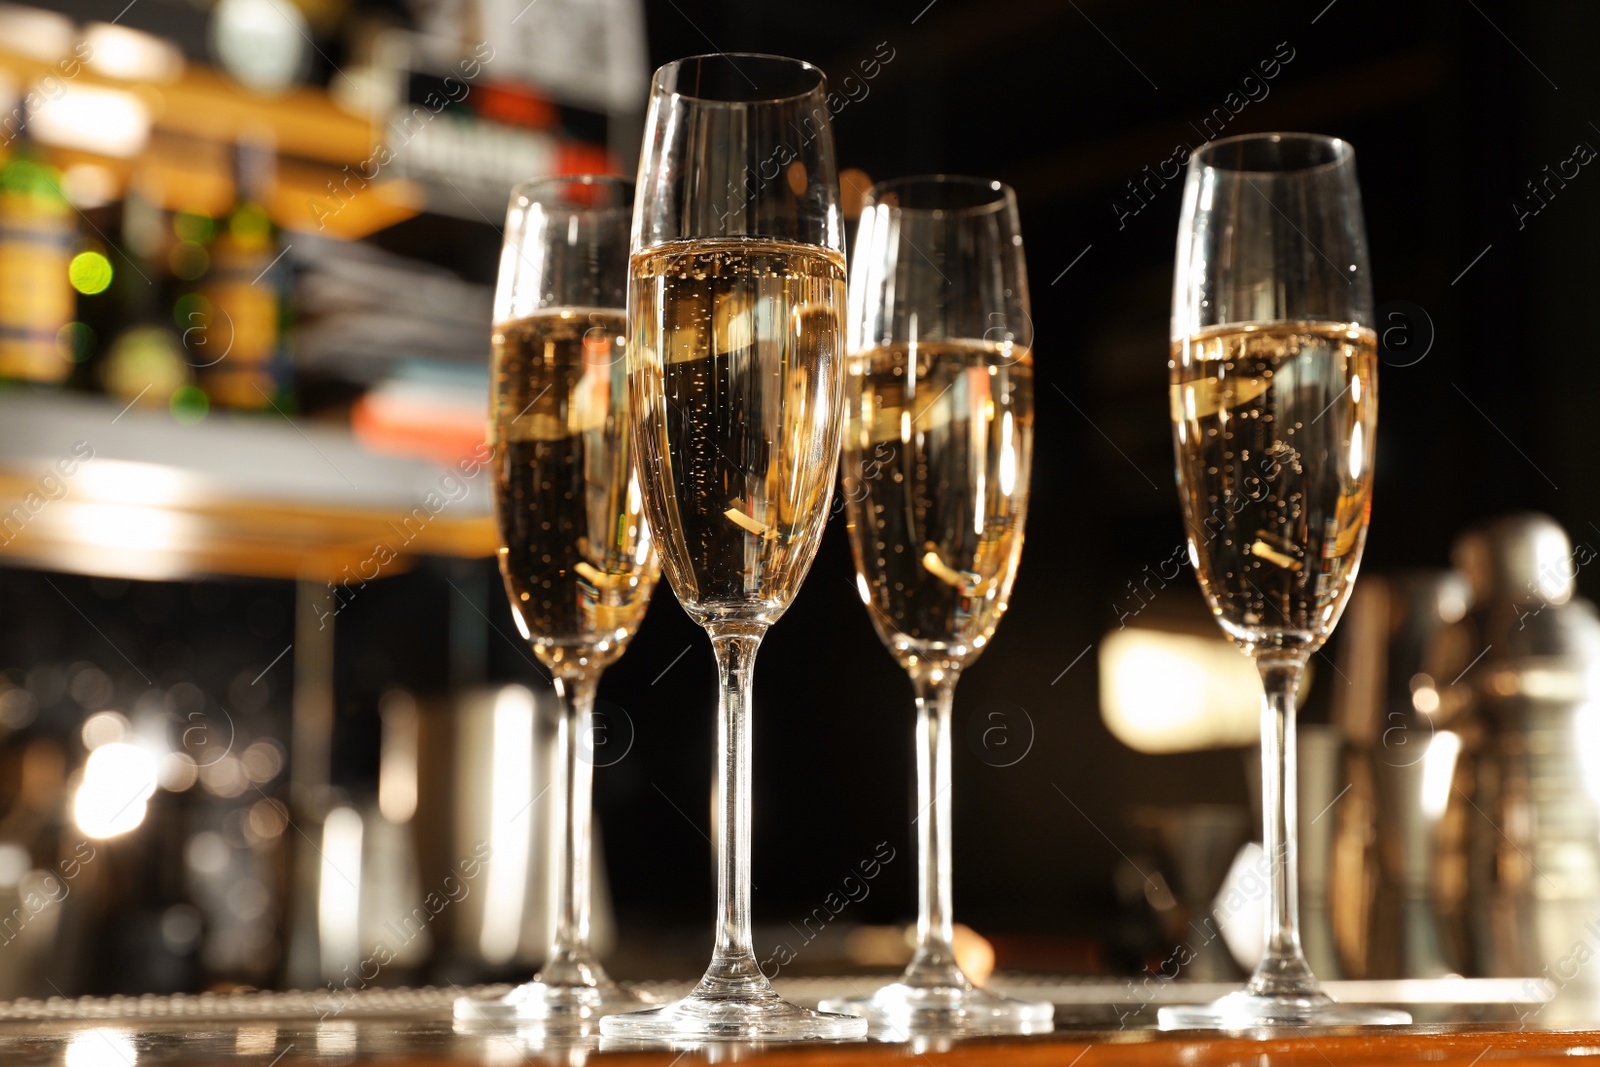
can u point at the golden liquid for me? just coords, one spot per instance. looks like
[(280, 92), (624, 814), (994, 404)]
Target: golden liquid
[(737, 366), (575, 549), (1274, 425), (938, 446)]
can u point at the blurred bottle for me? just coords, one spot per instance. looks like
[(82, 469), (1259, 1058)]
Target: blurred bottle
[(37, 235), (145, 362), (100, 271), (244, 293)]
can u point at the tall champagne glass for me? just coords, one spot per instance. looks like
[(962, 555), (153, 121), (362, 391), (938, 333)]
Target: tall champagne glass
[(736, 359), (938, 440), (575, 549), (1274, 398)]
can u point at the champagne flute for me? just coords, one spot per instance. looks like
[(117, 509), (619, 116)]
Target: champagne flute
[(575, 549), (736, 358), (1274, 406), (938, 440)]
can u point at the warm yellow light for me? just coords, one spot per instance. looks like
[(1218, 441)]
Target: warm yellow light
[(101, 1047), (511, 800), (105, 122), (117, 781), (339, 890), (117, 481), (132, 55), (397, 762), (1008, 456), (1438, 771), (115, 526), (1173, 692), (104, 728)]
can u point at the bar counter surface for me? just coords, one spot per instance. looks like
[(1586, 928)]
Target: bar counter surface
[(414, 1028)]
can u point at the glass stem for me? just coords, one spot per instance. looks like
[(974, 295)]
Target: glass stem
[(1283, 971), (733, 964), (934, 962), (570, 960)]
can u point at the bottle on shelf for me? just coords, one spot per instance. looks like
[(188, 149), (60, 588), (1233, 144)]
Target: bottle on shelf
[(245, 292), (37, 238)]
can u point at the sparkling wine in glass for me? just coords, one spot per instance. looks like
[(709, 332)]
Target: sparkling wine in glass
[(575, 548), (1274, 398), (937, 447), (736, 360)]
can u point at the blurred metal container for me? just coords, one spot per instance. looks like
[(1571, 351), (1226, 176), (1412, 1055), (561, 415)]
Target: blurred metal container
[(447, 873), (1321, 788), (1402, 636), (1533, 841), (503, 826)]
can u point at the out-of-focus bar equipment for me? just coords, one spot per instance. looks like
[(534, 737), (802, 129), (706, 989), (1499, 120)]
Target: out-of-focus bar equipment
[(503, 745), (1532, 804), (1171, 683), (1404, 649), (1320, 785), (1199, 842), (1470, 838)]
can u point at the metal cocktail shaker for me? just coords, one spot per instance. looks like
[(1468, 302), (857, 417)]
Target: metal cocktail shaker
[(1533, 816)]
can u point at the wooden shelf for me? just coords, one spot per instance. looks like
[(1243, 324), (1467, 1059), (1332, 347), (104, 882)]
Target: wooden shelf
[(251, 495), (198, 115)]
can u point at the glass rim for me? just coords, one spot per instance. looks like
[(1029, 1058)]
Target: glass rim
[(1344, 152), (525, 191), (715, 101), (1003, 196)]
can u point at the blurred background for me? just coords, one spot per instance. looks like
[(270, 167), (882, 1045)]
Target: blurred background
[(262, 702)]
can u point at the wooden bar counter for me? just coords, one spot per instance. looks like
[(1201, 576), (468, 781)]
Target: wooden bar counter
[(414, 1027)]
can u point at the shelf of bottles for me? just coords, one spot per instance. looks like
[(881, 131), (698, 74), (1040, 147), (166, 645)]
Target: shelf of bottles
[(207, 272)]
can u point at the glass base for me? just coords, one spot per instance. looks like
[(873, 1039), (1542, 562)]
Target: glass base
[(553, 1003), (1247, 1011), (900, 1010), (762, 1016)]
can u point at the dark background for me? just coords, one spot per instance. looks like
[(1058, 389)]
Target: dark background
[(1452, 107)]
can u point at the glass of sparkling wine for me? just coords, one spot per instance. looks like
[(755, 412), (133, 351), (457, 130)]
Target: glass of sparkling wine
[(736, 360), (937, 448), (1274, 399), (575, 549)]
